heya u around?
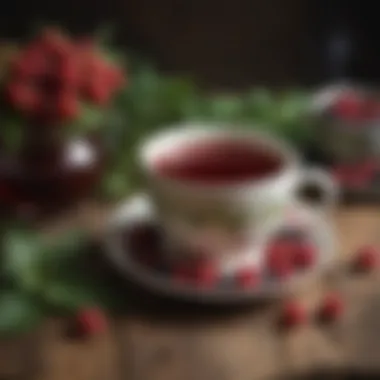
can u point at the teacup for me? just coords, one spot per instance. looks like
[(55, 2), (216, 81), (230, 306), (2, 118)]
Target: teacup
[(217, 189)]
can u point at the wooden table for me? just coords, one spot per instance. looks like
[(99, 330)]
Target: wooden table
[(162, 340)]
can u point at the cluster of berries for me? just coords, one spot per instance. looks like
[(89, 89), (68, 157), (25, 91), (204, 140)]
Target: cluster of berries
[(50, 77)]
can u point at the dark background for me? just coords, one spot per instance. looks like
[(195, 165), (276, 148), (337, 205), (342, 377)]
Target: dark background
[(227, 43)]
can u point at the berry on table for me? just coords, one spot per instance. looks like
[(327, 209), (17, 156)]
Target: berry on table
[(293, 314), (90, 321), (367, 259), (331, 308)]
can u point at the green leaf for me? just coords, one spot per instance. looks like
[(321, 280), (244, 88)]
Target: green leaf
[(29, 259), (91, 119), (18, 312), (22, 255), (77, 289), (260, 104), (116, 185), (226, 108)]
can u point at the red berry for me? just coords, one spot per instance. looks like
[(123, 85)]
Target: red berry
[(247, 277), (29, 63), (22, 97), (293, 315), (68, 73), (367, 259), (98, 92), (54, 42), (304, 255), (67, 107), (91, 322), (348, 107), (331, 308), (279, 260)]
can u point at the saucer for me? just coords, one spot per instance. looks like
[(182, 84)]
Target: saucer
[(132, 244)]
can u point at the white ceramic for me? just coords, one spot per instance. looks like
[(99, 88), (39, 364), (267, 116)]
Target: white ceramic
[(240, 212), (140, 209)]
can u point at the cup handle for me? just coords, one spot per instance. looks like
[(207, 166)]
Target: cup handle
[(317, 188)]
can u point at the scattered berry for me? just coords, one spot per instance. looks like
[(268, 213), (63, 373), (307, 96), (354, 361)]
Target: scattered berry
[(247, 277), (90, 322), (293, 314), (367, 259), (331, 308), (304, 255)]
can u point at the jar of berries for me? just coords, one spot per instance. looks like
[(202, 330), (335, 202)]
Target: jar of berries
[(56, 92), (349, 134)]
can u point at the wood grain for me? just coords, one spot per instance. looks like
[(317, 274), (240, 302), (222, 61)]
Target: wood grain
[(159, 339)]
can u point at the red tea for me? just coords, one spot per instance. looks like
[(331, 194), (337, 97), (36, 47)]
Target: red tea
[(219, 161)]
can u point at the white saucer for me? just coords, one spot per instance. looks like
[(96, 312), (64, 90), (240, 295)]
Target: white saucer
[(139, 209)]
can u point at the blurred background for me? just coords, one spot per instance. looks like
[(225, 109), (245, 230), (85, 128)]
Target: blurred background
[(227, 44)]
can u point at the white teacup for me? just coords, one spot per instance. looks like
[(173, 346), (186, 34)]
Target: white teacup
[(217, 189)]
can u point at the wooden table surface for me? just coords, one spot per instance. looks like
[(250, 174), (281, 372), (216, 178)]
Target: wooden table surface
[(163, 340)]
